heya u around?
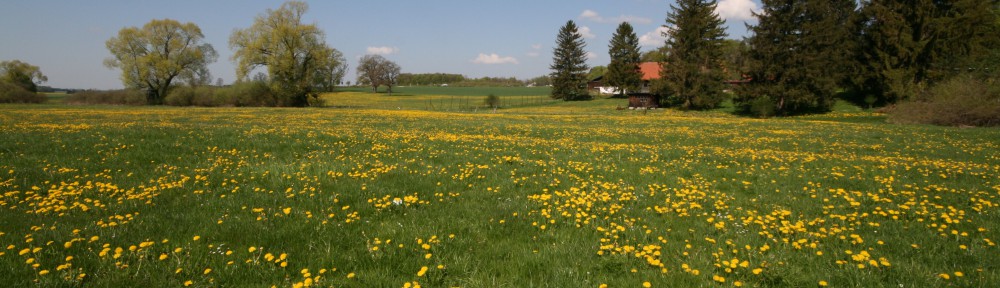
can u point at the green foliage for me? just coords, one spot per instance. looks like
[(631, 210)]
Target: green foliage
[(623, 72), (240, 94), (907, 46), (492, 101), (21, 74), (298, 61), (111, 97), (734, 61), (569, 65), (693, 71), (423, 79), (596, 71), (799, 56), (962, 101), (12, 93), (153, 58)]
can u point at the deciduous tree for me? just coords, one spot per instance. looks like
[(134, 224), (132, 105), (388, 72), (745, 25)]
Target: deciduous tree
[(153, 58), (623, 71), (375, 71), (22, 74), (569, 65), (297, 58)]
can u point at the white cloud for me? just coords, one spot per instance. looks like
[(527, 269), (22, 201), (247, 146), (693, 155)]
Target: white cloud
[(655, 38), (592, 55), (596, 17), (584, 32), (736, 9), (535, 50), (494, 59), (384, 50)]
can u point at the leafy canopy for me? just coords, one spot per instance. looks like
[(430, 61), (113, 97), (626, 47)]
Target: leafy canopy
[(22, 74), (298, 61), (154, 57)]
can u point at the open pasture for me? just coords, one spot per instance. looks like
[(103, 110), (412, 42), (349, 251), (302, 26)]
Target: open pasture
[(433, 98), (245, 197)]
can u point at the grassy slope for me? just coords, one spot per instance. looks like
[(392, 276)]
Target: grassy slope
[(548, 195)]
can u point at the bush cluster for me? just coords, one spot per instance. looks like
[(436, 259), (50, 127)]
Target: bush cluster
[(110, 97), (238, 95), (962, 101), (12, 93), (243, 94)]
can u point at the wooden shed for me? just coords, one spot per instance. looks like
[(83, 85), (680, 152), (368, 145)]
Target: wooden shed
[(644, 98)]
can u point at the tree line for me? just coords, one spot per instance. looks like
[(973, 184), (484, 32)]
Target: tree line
[(801, 55)]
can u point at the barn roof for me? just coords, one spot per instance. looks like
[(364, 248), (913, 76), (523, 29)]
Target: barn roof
[(650, 70)]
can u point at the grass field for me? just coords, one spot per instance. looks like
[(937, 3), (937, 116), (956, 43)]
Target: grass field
[(543, 195), (466, 99)]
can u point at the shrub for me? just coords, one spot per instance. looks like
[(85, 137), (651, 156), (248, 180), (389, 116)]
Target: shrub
[(180, 96), (961, 101), (762, 107), (12, 93), (492, 101), (252, 93), (111, 97)]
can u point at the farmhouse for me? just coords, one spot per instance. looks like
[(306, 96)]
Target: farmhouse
[(641, 98)]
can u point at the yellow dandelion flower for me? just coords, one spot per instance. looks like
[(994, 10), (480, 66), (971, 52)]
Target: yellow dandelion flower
[(959, 274), (944, 276), (43, 272), (647, 284), (822, 283), (350, 275), (422, 272), (251, 249), (207, 270), (188, 283), (163, 256)]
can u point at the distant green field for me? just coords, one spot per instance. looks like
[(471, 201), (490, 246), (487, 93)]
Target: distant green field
[(56, 97), (459, 91), (432, 98), (553, 194)]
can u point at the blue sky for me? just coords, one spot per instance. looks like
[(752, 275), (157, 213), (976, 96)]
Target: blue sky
[(512, 38)]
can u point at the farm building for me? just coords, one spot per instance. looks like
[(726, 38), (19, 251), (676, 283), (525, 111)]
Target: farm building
[(649, 70), (644, 98)]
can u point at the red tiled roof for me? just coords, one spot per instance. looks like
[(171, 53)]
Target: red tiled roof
[(650, 70)]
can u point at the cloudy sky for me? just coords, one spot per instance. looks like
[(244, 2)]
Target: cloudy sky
[(475, 38)]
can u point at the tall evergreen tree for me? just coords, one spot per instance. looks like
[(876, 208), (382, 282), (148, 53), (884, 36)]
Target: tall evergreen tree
[(799, 56), (693, 71), (908, 45), (623, 72), (569, 66)]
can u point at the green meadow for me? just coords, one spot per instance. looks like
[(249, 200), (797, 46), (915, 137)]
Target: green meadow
[(385, 191)]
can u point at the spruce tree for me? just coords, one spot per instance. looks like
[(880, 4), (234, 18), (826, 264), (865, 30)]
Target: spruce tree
[(623, 72), (799, 56), (569, 66), (693, 71), (908, 45)]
